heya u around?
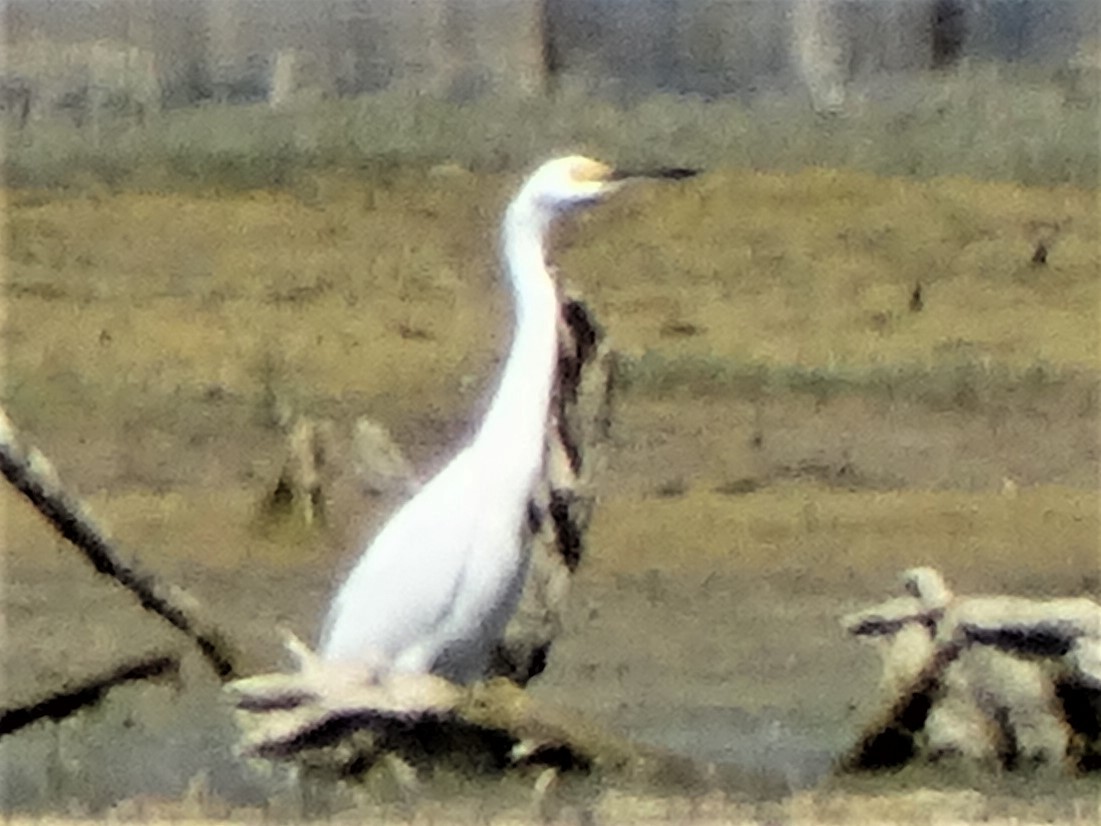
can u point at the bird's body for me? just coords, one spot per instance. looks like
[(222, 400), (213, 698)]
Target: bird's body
[(410, 607), (437, 586)]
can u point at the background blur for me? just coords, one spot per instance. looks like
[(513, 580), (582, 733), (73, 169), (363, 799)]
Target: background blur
[(120, 83)]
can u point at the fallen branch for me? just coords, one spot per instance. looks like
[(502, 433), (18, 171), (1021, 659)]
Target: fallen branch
[(34, 476), (1061, 635), (61, 704), (889, 740), (332, 719)]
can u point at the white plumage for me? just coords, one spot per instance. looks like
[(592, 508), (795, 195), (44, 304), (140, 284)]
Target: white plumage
[(437, 586)]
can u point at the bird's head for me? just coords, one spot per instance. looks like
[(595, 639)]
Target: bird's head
[(574, 181)]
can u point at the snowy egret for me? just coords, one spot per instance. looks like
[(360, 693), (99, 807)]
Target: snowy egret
[(435, 589)]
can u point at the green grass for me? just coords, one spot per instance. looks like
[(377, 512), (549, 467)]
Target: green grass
[(953, 384), (983, 122)]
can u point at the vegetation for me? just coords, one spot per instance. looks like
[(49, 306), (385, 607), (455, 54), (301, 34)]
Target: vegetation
[(382, 291), (826, 375), (985, 122)]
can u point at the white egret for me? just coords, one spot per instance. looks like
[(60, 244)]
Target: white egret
[(435, 589)]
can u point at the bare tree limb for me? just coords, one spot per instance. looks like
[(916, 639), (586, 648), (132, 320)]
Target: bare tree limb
[(61, 704), (562, 505), (888, 741), (34, 476)]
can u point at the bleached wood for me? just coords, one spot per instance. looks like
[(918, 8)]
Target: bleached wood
[(1063, 635)]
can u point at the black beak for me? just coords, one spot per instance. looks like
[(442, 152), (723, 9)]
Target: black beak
[(669, 173)]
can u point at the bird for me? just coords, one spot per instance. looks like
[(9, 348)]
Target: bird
[(434, 590)]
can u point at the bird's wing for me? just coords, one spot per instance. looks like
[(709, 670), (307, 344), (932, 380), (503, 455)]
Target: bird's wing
[(402, 587)]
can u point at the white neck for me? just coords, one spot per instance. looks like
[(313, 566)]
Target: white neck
[(512, 436)]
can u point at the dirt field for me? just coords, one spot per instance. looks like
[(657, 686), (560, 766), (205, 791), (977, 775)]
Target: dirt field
[(791, 434)]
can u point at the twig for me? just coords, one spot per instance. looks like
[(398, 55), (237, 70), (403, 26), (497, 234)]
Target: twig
[(1064, 632), (34, 476), (889, 740), (61, 704)]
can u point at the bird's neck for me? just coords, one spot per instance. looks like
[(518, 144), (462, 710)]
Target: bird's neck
[(513, 433)]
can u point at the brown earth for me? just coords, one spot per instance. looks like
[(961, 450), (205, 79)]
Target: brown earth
[(735, 525)]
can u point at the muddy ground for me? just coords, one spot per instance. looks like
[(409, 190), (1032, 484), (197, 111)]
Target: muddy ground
[(733, 530), (704, 619)]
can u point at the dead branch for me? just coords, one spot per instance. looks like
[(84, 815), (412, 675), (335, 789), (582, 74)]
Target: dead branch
[(35, 477), (562, 506), (299, 491), (1064, 635), (332, 719), (61, 704), (889, 739)]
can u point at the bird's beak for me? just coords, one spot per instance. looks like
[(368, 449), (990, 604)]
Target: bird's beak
[(669, 173)]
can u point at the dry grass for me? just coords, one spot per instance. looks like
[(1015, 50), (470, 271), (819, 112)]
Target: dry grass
[(832, 537), (910, 808), (149, 337), (817, 269), (385, 289)]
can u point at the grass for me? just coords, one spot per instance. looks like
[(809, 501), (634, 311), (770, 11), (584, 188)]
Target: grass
[(932, 807), (388, 293), (953, 384), (180, 284), (833, 539), (985, 121)]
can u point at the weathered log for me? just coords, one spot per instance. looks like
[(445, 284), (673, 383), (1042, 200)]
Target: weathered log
[(562, 507), (380, 466), (35, 477), (1054, 644), (336, 722)]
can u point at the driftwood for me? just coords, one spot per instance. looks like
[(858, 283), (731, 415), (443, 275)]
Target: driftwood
[(299, 491), (334, 722), (562, 506), (381, 468), (1062, 637), (420, 718), (35, 477)]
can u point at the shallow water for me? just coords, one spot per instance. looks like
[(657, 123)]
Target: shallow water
[(702, 622), (710, 668)]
